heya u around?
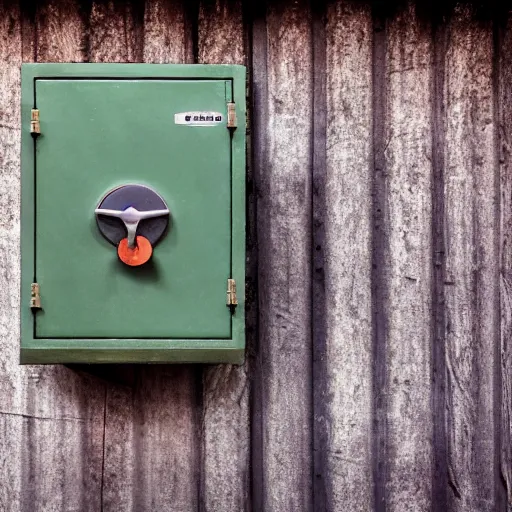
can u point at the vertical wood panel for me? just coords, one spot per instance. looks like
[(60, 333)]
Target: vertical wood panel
[(374, 398), (439, 438), (225, 422), (221, 32), (284, 233), (120, 471), (225, 432), (472, 314), (166, 445), (151, 446), (318, 321), (259, 120), (167, 32), (12, 410), (407, 156), (114, 31), (505, 147), (61, 35), (347, 259)]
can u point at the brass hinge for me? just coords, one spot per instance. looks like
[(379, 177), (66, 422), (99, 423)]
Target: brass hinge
[(232, 115), (231, 299), (35, 297), (35, 125)]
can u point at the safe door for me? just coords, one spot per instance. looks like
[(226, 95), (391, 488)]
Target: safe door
[(132, 213)]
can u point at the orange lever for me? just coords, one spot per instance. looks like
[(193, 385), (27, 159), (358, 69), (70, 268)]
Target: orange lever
[(135, 256)]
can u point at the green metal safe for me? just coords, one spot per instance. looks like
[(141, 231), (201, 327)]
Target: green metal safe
[(133, 213)]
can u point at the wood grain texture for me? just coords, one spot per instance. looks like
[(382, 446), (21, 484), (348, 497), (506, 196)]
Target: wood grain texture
[(360, 99), (225, 422), (225, 439), (259, 122), (440, 488), (12, 410), (115, 31), (284, 233), (407, 269), (49, 415), (167, 32), (505, 154), (321, 477), (347, 259), (221, 32), (151, 446), (472, 307), (61, 35)]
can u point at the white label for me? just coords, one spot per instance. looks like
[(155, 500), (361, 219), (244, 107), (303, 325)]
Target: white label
[(199, 118)]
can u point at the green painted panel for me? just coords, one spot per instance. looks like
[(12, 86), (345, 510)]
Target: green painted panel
[(98, 134), (105, 125)]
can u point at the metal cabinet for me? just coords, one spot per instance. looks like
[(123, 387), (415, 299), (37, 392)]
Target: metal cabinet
[(133, 213)]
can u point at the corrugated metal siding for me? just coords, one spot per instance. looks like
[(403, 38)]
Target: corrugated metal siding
[(379, 368)]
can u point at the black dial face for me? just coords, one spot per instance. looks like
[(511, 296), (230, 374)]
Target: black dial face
[(141, 198)]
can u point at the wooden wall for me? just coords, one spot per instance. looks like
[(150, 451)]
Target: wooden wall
[(379, 367)]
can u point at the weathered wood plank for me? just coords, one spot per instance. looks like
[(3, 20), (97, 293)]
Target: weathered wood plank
[(114, 31), (225, 423), (51, 419), (505, 153), (120, 470), (151, 445), (12, 421), (61, 34), (226, 444), (152, 452), (472, 306), (407, 268), (259, 121), (62, 442), (166, 441), (167, 34), (439, 438), (347, 259), (221, 32), (318, 321), (49, 415), (283, 149)]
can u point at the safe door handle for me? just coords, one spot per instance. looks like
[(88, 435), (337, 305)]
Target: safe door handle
[(131, 218)]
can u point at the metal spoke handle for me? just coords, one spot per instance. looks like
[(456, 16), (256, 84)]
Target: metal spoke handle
[(131, 218)]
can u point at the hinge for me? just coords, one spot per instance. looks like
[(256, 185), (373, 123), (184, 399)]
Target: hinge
[(35, 126), (231, 115), (231, 299), (35, 297)]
